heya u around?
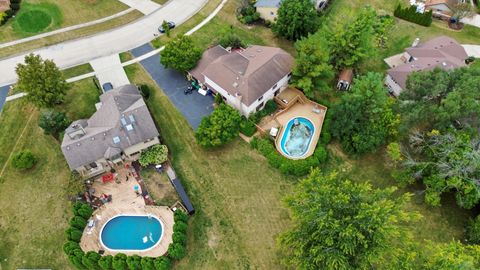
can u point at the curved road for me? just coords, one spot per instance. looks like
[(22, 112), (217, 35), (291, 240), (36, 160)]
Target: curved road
[(124, 38)]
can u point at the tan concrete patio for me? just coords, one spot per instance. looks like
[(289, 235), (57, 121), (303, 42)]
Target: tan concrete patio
[(125, 201), (297, 105)]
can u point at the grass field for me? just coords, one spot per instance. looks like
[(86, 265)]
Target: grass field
[(62, 13), (35, 207)]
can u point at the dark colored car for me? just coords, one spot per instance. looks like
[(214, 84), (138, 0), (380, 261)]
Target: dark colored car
[(107, 86), (171, 25)]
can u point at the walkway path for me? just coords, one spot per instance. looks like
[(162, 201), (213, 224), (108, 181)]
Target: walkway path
[(76, 52), (109, 69), (144, 6), (475, 20), (66, 29), (472, 50)]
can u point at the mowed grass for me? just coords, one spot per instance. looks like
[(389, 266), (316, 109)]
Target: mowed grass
[(237, 195), (62, 13), (34, 203)]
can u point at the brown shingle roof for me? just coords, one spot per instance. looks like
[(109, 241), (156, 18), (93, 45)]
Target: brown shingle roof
[(442, 52), (248, 73)]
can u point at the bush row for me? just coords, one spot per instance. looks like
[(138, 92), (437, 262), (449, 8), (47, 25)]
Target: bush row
[(93, 260), (270, 107), (287, 166), (248, 14), (247, 127), (14, 7), (410, 14)]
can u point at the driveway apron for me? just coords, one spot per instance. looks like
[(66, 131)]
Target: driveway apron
[(192, 106)]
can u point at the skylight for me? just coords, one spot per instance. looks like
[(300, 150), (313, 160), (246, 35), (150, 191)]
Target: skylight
[(116, 139), (129, 127), (132, 119), (124, 122)]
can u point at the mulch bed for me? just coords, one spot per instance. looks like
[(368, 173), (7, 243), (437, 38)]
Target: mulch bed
[(456, 26)]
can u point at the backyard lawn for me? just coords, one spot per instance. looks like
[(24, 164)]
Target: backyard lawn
[(35, 207), (37, 16)]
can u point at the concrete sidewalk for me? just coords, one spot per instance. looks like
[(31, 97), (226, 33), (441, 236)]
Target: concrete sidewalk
[(472, 50), (109, 70), (144, 6), (474, 21)]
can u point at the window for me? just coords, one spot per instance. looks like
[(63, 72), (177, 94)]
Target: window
[(116, 139), (276, 93), (124, 122), (260, 98), (132, 119), (129, 127), (259, 107), (274, 87)]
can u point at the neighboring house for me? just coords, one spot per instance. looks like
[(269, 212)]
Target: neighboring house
[(268, 9), (442, 8), (245, 78), (442, 52), (4, 5), (118, 131)]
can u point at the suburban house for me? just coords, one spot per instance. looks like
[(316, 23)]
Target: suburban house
[(4, 5), (440, 52), (268, 9), (442, 8), (118, 131), (245, 78)]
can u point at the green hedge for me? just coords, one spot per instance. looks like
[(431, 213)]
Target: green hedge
[(288, 166), (93, 260), (247, 127), (410, 14)]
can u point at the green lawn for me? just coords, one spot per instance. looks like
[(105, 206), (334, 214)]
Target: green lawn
[(62, 13), (77, 70), (35, 207)]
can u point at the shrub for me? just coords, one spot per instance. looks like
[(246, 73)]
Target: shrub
[(180, 216), (105, 262), (90, 260), (162, 263), (231, 40), (247, 127), (473, 231), (85, 211), (70, 246), (410, 14), (23, 160), (134, 262), (179, 237), (147, 263), (176, 251), (119, 262), (156, 154), (248, 14), (73, 234), (78, 222), (180, 226), (219, 99), (145, 91), (219, 128)]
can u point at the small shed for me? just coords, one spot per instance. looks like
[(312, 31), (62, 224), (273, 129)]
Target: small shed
[(183, 195), (345, 79)]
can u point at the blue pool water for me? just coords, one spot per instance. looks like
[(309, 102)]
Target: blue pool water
[(297, 137), (131, 233)]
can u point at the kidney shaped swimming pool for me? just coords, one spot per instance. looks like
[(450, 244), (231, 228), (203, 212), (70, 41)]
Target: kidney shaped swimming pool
[(131, 233)]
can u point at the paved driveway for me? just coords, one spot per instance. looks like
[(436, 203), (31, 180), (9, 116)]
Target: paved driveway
[(110, 70), (193, 106)]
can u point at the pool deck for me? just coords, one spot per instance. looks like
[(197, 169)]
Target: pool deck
[(294, 104), (125, 202)]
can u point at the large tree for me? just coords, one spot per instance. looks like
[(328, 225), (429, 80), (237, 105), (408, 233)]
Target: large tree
[(296, 19), (339, 224), (219, 128), (42, 81), (180, 54), (364, 119), (53, 122), (312, 69), (352, 40)]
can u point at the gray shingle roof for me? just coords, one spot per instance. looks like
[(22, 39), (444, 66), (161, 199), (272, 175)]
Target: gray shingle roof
[(443, 52), (268, 3), (120, 104), (249, 73)]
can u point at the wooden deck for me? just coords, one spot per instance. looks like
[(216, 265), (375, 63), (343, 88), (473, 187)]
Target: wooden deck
[(297, 105), (125, 202)]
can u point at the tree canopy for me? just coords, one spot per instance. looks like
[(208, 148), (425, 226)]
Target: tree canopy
[(42, 81), (156, 154), (339, 224), (219, 128), (364, 119), (180, 54), (53, 122), (296, 19), (312, 69)]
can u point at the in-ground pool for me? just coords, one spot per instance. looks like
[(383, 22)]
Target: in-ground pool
[(297, 137), (131, 233)]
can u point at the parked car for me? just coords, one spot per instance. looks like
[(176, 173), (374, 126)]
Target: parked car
[(171, 25)]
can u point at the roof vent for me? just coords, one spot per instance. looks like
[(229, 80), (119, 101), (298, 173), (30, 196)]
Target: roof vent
[(416, 42), (235, 84), (259, 50), (444, 64), (68, 147), (78, 144), (93, 139)]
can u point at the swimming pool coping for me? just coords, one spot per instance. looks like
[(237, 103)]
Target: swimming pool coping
[(131, 250), (284, 128)]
